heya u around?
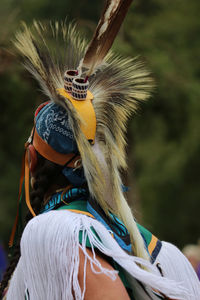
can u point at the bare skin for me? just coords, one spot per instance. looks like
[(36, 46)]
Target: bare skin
[(100, 286)]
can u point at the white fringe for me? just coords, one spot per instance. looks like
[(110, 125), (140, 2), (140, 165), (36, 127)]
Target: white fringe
[(50, 259), (175, 266), (17, 283)]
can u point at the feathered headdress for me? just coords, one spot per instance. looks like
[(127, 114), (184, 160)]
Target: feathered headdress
[(117, 86)]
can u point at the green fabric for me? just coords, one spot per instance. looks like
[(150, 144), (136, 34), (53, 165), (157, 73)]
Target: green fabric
[(78, 205), (82, 206), (145, 233)]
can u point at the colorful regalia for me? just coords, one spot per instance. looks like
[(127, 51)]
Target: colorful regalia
[(91, 93)]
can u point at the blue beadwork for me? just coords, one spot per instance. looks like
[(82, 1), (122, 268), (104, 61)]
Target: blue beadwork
[(58, 199)]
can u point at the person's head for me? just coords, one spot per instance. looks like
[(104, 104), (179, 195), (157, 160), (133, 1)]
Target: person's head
[(192, 252), (52, 138)]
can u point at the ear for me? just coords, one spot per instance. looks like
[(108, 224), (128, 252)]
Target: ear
[(32, 158)]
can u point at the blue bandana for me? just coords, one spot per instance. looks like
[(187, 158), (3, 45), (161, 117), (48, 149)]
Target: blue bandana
[(53, 127)]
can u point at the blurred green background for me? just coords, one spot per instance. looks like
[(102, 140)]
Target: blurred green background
[(164, 144)]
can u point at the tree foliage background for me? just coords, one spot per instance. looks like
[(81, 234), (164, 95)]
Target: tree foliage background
[(163, 138)]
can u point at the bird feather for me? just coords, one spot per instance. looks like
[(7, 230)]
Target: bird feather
[(104, 36)]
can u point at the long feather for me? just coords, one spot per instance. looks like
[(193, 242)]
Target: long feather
[(104, 36)]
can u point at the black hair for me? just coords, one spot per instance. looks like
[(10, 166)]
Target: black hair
[(47, 174)]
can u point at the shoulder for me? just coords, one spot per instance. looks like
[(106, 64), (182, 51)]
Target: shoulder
[(50, 251), (65, 226), (51, 225)]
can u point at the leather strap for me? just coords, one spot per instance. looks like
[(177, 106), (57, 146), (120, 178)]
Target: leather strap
[(27, 193), (49, 153)]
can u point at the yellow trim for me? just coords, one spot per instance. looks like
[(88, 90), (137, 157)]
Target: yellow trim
[(87, 214), (81, 212), (152, 244), (86, 112)]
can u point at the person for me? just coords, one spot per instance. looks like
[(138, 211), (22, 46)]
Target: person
[(81, 239), (192, 252), (3, 261)]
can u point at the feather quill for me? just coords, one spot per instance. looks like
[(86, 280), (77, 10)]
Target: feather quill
[(104, 36)]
